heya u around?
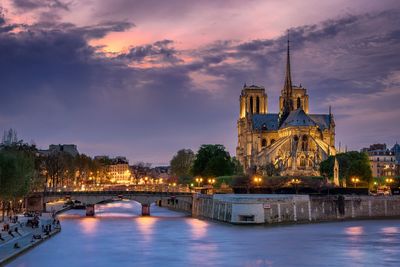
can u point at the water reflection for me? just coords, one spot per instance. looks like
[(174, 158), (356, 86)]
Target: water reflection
[(390, 230), (198, 228), (119, 236), (145, 226), (354, 233), (88, 225)]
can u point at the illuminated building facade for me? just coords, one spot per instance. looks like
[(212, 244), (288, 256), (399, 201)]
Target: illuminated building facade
[(293, 141)]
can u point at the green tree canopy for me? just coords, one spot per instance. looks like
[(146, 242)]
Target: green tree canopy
[(181, 165), (212, 161), (351, 164)]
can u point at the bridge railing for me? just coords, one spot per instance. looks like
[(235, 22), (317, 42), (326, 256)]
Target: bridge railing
[(114, 193), (128, 188)]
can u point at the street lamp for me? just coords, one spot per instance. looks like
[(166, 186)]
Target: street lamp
[(355, 180), (389, 181), (295, 182), (199, 180), (257, 180), (211, 181)]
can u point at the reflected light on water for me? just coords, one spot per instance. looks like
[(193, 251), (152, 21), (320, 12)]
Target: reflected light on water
[(390, 230), (198, 228), (119, 204), (354, 232), (146, 226), (88, 225)]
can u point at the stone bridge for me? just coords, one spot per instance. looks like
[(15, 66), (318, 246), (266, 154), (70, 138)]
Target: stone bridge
[(91, 198)]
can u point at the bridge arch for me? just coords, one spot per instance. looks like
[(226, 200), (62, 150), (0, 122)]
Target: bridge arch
[(91, 198)]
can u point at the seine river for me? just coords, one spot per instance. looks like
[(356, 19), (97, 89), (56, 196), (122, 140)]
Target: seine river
[(118, 236)]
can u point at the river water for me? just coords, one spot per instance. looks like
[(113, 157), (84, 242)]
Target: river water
[(118, 236)]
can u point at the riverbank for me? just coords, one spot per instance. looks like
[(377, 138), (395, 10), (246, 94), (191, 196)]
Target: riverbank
[(155, 240), (10, 253), (275, 209), (286, 209), (25, 235)]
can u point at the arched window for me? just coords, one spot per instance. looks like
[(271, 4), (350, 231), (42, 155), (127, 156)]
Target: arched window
[(298, 102), (264, 143), (302, 162), (257, 105), (304, 143), (251, 105), (272, 141)]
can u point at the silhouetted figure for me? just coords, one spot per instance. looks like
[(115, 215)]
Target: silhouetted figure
[(10, 233)]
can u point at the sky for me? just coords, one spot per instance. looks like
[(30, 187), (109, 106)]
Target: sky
[(143, 79)]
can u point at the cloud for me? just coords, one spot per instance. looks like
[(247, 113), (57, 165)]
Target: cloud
[(36, 4), (158, 52), (153, 99)]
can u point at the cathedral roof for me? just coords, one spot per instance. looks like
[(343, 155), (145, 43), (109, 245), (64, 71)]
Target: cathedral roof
[(322, 120), (298, 118), (268, 121)]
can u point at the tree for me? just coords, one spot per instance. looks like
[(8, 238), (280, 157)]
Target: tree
[(9, 137), (181, 165), (212, 161), (351, 164), (270, 169), (60, 169), (237, 167), (16, 171)]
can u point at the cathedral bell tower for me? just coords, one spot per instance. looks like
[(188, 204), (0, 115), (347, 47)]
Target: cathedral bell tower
[(253, 100)]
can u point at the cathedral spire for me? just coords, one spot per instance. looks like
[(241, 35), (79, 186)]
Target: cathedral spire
[(288, 77), (287, 92)]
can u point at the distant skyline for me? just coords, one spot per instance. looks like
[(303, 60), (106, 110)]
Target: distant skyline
[(143, 79)]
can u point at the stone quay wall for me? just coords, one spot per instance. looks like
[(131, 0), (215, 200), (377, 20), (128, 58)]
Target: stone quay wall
[(277, 209), (181, 203)]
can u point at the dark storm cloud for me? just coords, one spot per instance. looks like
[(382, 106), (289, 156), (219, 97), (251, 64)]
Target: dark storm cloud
[(160, 51), (57, 88), (35, 4)]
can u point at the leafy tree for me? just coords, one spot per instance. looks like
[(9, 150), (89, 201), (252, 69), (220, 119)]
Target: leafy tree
[(181, 165), (270, 169), (237, 167), (16, 171), (59, 168), (212, 160), (351, 164)]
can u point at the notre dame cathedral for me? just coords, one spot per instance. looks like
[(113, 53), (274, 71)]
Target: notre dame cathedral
[(292, 141)]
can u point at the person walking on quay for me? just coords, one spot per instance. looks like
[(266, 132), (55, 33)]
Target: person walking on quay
[(10, 233), (16, 230)]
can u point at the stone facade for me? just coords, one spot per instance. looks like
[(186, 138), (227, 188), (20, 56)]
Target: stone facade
[(383, 161), (276, 209), (293, 141)]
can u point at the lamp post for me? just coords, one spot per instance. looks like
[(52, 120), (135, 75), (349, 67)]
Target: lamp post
[(211, 181), (389, 181), (295, 182), (355, 180), (199, 180), (257, 180)]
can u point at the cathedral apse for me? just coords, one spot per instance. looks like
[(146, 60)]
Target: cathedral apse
[(292, 142)]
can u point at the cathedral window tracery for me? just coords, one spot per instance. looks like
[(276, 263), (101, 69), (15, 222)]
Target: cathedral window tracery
[(264, 142)]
